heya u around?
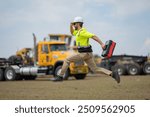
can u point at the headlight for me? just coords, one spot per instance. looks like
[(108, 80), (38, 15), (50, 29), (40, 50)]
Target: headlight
[(55, 56)]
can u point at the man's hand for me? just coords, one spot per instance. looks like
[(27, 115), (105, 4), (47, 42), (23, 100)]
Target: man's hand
[(71, 24), (71, 28), (103, 46)]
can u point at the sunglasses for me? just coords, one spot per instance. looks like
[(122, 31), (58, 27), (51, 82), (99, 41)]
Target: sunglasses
[(74, 23)]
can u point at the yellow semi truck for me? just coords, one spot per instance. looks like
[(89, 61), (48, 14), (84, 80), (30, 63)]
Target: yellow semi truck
[(48, 59)]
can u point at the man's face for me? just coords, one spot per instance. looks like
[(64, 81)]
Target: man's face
[(76, 25)]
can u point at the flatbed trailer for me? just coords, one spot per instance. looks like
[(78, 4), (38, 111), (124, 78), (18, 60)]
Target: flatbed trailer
[(127, 64)]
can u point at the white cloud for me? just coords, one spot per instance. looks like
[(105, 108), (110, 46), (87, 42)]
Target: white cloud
[(131, 7), (56, 10), (49, 11), (147, 42), (145, 47), (52, 10), (125, 8), (54, 16)]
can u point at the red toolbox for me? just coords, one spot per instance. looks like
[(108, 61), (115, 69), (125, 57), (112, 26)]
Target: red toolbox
[(109, 49)]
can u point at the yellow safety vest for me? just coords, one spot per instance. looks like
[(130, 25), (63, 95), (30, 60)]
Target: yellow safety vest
[(82, 37)]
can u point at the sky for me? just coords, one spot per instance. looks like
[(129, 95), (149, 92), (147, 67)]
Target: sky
[(127, 22)]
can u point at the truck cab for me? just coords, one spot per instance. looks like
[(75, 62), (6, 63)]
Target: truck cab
[(52, 53)]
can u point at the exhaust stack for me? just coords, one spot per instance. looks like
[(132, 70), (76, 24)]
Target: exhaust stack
[(34, 49)]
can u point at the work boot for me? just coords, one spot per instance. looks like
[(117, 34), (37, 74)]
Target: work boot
[(116, 76), (58, 78)]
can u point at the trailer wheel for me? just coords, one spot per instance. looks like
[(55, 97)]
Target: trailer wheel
[(10, 74), (120, 68), (80, 76), (2, 75), (58, 70), (146, 68), (133, 69)]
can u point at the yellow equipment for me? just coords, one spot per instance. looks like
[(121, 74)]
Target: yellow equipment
[(26, 56)]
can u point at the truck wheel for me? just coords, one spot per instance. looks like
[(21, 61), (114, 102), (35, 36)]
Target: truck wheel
[(146, 68), (133, 69), (80, 76), (58, 70), (10, 74), (120, 68), (1, 75)]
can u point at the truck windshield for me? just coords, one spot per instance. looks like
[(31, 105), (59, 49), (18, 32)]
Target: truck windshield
[(58, 47)]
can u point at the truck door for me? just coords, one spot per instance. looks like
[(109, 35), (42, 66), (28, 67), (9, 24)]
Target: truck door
[(45, 57)]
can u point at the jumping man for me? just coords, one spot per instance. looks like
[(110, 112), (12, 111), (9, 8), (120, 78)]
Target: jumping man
[(84, 51)]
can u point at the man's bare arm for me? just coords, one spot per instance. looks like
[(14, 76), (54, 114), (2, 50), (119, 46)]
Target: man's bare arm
[(99, 41), (71, 28)]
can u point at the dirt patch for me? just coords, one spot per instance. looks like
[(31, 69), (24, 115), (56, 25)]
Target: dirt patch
[(98, 88)]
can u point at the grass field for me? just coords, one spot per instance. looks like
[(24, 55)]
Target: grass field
[(92, 88)]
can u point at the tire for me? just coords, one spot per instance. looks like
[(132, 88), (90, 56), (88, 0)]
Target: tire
[(80, 76), (133, 69), (58, 70), (10, 74), (146, 68), (15, 60), (120, 68), (2, 75)]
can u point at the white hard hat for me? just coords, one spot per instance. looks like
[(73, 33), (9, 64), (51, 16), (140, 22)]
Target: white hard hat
[(78, 19)]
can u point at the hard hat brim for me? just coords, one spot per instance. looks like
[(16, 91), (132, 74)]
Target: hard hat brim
[(76, 22)]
